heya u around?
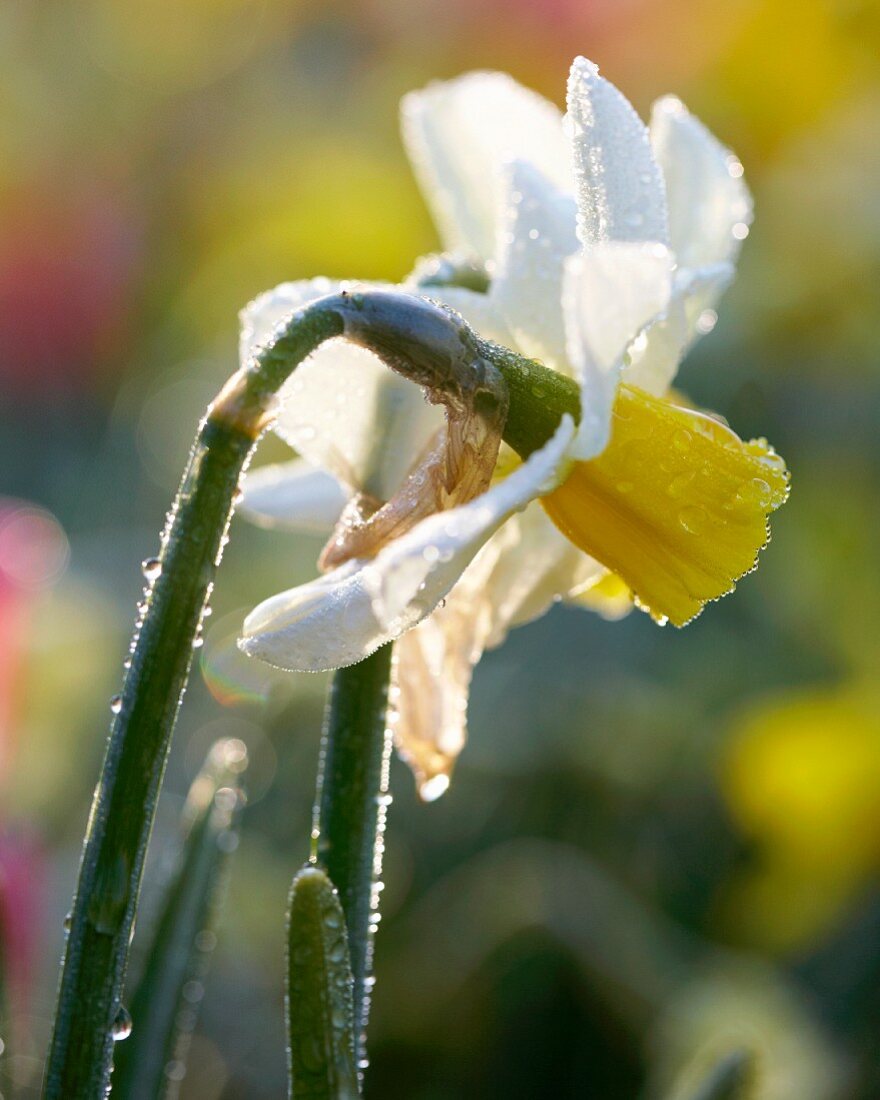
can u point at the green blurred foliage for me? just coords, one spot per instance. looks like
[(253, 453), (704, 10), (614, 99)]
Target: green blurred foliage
[(659, 846)]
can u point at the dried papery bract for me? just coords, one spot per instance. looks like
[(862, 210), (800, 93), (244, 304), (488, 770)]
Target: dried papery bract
[(446, 360)]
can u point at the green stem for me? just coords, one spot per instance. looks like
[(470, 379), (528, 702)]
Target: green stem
[(351, 807)]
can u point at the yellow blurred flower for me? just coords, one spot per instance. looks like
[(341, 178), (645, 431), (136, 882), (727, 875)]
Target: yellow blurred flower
[(801, 776)]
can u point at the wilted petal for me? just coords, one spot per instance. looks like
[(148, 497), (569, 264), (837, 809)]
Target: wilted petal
[(537, 235), (620, 191), (293, 495), (710, 207), (613, 290), (435, 663), (655, 355), (461, 133)]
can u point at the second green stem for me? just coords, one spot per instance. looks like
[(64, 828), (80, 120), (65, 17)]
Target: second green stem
[(351, 806)]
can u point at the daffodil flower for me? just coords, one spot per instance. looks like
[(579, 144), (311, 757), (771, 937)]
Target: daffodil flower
[(605, 245)]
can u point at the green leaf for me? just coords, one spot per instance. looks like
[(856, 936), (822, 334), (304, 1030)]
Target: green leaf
[(729, 1079), (165, 1003), (320, 1013)]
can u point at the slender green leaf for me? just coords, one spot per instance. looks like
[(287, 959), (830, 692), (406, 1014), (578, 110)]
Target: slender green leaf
[(151, 1062), (729, 1079), (320, 1013)]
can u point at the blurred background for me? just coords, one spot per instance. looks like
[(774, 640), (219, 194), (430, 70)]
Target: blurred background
[(658, 845)]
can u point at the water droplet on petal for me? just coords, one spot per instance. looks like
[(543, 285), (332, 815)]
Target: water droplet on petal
[(116, 704), (681, 440), (693, 519)]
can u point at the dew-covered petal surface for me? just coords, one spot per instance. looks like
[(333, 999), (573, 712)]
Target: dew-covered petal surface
[(537, 234), (710, 208), (344, 616), (459, 136), (620, 189), (676, 506), (293, 495), (325, 624), (612, 291)]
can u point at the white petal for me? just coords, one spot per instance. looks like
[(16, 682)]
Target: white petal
[(538, 233), (709, 203), (620, 191), (293, 495), (655, 355), (344, 410), (346, 615), (260, 317), (612, 292), (460, 134), (327, 623), (537, 567)]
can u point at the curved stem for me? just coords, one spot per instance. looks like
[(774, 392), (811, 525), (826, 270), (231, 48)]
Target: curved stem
[(351, 806)]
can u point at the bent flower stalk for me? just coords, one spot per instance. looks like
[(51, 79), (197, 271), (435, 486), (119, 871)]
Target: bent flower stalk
[(599, 247)]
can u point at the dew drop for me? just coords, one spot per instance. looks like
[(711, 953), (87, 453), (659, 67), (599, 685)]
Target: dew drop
[(707, 320), (67, 924), (116, 704), (533, 234), (681, 440), (175, 1070), (755, 491), (679, 484), (740, 231), (693, 519), (151, 568), (121, 1025), (433, 788)]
